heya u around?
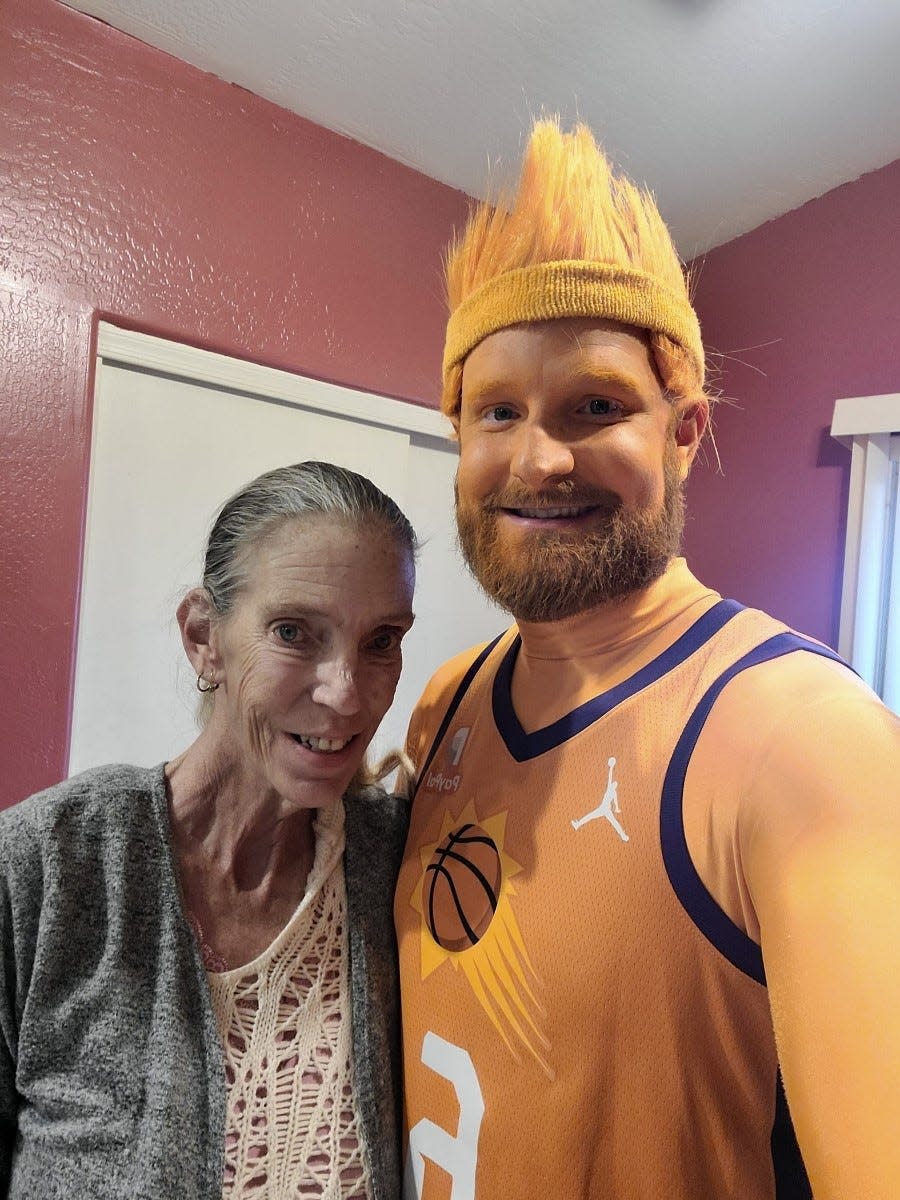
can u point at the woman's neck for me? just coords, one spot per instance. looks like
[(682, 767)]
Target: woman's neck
[(232, 820), (244, 857)]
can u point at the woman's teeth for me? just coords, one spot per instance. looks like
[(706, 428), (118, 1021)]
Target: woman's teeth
[(323, 745)]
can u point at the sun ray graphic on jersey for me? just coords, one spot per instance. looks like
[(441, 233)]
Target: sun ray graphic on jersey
[(497, 965)]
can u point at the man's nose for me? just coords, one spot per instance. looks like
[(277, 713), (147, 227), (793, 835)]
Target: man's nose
[(541, 456), (337, 686)]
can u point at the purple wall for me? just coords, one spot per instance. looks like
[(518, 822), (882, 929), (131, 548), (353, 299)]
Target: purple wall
[(803, 310)]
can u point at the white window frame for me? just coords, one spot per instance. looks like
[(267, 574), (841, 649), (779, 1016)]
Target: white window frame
[(869, 637)]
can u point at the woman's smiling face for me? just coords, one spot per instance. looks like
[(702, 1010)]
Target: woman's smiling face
[(308, 659)]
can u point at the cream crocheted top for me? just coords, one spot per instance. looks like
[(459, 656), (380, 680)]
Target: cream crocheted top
[(292, 1130)]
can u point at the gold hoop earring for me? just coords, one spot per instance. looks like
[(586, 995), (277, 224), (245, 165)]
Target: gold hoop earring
[(203, 685)]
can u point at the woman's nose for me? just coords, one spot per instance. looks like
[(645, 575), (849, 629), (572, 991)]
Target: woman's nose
[(541, 456), (337, 687)]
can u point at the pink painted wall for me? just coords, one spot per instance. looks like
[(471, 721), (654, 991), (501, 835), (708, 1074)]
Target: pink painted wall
[(805, 310), (137, 187)]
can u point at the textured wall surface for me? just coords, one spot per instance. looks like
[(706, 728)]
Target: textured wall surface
[(140, 188), (805, 310), (137, 187), (679, 90)]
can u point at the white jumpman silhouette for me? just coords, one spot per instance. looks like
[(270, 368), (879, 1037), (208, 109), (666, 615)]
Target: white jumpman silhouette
[(608, 806)]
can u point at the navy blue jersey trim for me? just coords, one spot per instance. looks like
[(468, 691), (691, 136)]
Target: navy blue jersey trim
[(523, 746), (465, 683), (703, 910), (791, 1180)]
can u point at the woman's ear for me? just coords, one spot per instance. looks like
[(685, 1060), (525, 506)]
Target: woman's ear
[(196, 620)]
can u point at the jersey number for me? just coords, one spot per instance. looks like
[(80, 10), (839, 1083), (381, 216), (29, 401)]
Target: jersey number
[(457, 1153)]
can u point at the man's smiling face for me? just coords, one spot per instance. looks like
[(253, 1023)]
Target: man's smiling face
[(571, 465)]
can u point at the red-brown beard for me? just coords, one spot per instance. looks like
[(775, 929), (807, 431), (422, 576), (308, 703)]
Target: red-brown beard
[(550, 576)]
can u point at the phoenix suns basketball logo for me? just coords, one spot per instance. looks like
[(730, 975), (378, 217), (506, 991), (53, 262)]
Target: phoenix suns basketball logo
[(462, 887), (465, 901)]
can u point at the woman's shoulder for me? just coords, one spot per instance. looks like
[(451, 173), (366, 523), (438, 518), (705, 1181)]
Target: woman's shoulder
[(376, 819), (374, 806), (101, 796)]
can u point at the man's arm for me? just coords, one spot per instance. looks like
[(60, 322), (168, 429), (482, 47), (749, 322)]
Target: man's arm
[(819, 837)]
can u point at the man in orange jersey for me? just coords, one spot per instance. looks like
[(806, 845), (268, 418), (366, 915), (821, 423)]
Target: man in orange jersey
[(648, 916)]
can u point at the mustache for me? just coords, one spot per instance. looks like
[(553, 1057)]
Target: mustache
[(567, 492)]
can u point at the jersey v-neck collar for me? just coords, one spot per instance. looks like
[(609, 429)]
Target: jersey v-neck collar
[(523, 746)]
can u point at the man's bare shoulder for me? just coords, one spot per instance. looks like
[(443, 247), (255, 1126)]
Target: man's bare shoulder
[(814, 753), (800, 696), (799, 746)]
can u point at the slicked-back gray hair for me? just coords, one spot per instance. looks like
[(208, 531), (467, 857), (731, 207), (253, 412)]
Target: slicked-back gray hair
[(291, 493), (306, 489)]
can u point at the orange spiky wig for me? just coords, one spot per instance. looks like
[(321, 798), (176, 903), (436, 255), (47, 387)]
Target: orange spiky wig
[(577, 240)]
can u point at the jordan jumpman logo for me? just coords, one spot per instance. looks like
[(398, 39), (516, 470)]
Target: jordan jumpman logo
[(608, 806)]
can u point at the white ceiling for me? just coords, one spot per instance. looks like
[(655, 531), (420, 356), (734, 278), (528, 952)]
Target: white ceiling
[(733, 111)]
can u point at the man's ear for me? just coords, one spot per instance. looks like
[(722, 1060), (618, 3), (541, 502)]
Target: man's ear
[(196, 620), (691, 420)]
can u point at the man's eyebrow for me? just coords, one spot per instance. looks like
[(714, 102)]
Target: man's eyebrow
[(590, 379), (587, 379), (491, 389)]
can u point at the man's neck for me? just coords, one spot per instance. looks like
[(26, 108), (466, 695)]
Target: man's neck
[(564, 663), (610, 626)]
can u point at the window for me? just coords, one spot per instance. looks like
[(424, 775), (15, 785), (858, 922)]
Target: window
[(870, 600)]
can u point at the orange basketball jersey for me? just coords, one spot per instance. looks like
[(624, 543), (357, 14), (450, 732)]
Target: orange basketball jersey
[(581, 1019)]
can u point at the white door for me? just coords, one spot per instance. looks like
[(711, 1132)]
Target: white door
[(175, 432)]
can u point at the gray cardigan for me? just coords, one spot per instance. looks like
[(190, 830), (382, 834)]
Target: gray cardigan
[(111, 1070)]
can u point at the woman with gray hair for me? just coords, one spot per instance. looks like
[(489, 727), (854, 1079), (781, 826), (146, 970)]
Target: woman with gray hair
[(198, 994)]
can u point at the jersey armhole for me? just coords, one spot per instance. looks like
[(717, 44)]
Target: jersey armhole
[(712, 921)]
